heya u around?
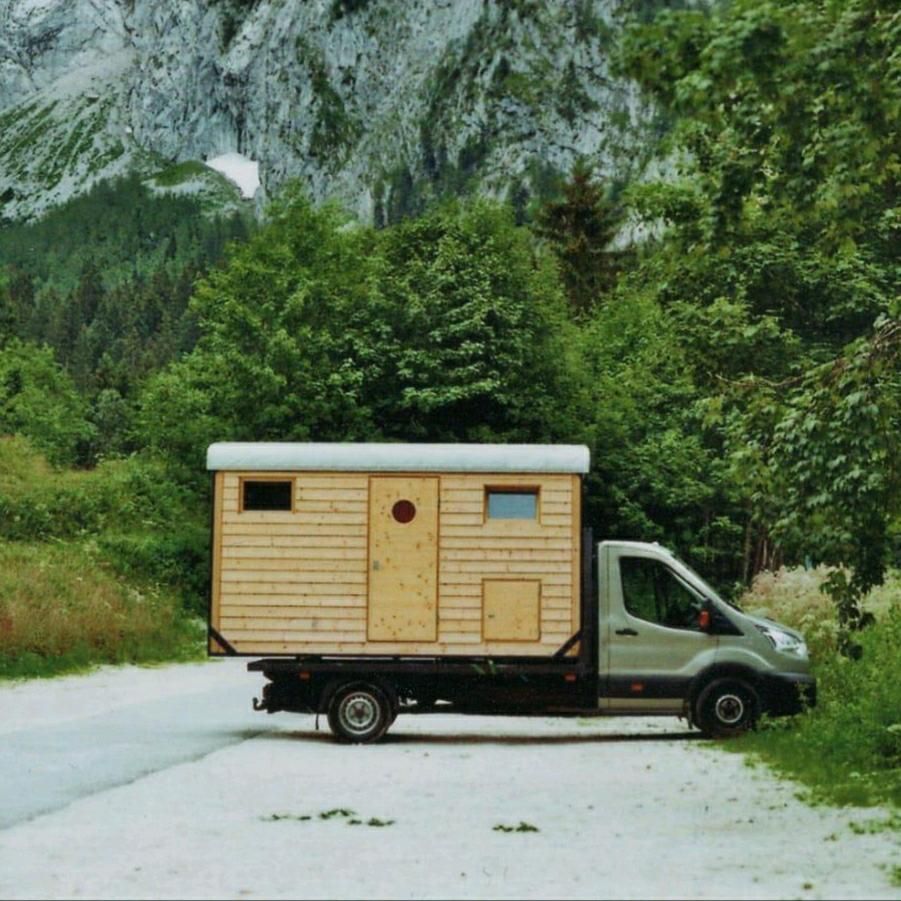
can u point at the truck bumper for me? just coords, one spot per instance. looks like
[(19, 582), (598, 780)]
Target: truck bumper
[(784, 694)]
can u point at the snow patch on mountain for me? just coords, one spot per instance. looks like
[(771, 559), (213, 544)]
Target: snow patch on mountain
[(240, 170)]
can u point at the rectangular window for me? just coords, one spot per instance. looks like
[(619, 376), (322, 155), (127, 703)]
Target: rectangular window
[(267, 494), (515, 503)]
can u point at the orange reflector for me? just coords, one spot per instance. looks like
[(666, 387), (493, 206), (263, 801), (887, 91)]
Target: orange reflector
[(303, 676), (570, 677), (637, 686)]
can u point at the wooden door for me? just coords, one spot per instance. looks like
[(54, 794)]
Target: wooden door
[(403, 558)]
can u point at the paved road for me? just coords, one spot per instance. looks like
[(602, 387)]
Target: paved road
[(163, 783), (48, 767)]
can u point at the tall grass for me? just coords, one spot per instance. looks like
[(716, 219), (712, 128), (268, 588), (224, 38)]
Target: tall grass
[(61, 609), (147, 527), (99, 565), (848, 748)]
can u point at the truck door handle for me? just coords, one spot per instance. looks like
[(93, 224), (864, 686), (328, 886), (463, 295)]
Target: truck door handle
[(626, 632)]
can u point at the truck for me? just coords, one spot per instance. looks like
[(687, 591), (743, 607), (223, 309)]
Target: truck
[(377, 579)]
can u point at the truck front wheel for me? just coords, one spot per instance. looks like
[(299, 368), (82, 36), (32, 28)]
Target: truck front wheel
[(727, 707), (359, 713)]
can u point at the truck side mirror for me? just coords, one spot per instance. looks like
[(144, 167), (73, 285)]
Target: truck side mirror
[(704, 620)]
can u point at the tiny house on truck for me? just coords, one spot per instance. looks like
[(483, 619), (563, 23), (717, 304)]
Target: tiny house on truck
[(380, 579)]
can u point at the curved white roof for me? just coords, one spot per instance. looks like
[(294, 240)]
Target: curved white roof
[(490, 458)]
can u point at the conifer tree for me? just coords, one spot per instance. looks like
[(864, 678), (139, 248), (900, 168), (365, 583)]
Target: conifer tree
[(580, 227)]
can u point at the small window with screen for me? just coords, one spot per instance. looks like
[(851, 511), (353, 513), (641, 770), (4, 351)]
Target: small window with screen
[(266, 494), (514, 503)]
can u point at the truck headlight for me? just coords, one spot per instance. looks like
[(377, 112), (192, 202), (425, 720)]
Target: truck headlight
[(784, 642)]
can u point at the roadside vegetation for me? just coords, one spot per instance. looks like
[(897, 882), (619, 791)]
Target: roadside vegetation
[(62, 609), (96, 566), (847, 750)]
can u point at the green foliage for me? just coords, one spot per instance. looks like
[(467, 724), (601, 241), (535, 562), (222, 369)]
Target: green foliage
[(335, 129), (232, 15), (41, 142), (144, 526), (341, 8), (442, 328), (38, 399), (522, 827), (793, 596), (40, 503), (589, 25), (779, 262), (478, 331), (654, 476), (177, 557), (835, 463), (178, 173), (574, 103), (123, 230), (270, 361), (278, 817), (104, 282)]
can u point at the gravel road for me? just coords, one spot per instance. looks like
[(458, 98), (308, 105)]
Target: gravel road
[(162, 783)]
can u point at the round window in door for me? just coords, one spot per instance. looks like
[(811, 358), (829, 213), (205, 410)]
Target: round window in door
[(404, 511)]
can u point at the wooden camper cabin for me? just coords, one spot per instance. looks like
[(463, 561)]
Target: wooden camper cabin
[(395, 549)]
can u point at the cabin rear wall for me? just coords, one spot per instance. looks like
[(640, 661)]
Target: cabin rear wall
[(296, 582)]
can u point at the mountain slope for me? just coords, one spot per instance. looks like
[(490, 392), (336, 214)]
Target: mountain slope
[(384, 104)]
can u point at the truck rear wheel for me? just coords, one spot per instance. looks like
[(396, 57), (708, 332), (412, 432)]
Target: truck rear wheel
[(359, 713), (727, 707)]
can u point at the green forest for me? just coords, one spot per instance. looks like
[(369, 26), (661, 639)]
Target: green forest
[(725, 339)]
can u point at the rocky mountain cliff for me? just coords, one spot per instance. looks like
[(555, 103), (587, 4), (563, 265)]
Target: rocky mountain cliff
[(381, 103)]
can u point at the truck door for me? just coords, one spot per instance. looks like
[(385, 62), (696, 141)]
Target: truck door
[(403, 558), (653, 642)]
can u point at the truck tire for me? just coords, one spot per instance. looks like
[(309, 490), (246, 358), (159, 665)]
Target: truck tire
[(359, 713), (726, 708)]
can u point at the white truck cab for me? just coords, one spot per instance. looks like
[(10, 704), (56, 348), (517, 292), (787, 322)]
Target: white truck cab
[(670, 644)]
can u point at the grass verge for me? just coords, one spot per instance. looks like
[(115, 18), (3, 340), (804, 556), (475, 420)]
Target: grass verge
[(107, 565), (848, 749), (62, 610)]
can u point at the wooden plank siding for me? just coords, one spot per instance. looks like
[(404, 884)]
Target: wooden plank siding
[(298, 582)]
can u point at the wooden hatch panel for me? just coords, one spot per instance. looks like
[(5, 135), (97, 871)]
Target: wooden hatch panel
[(511, 610)]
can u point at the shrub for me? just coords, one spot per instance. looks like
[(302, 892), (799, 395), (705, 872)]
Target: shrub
[(38, 399), (178, 559), (38, 502), (147, 528), (848, 748), (793, 597)]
